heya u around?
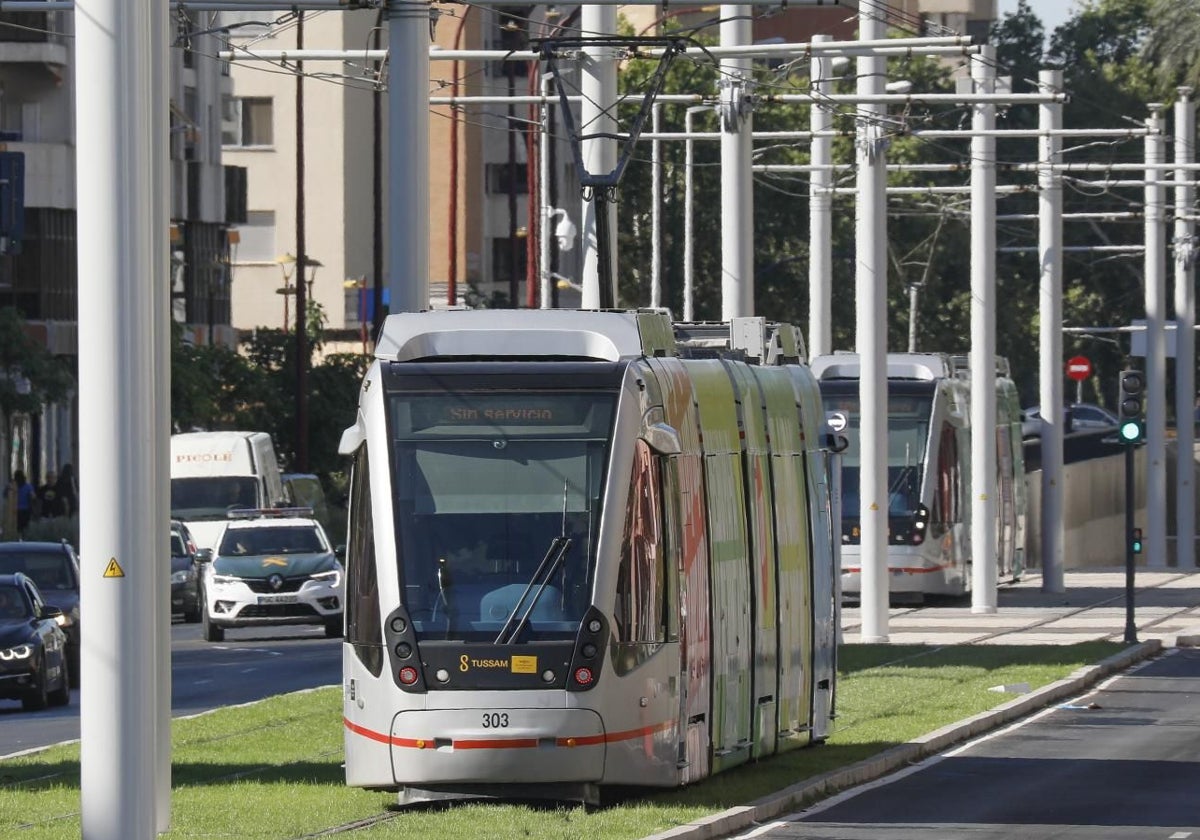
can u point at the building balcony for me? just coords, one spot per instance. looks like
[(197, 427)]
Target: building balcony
[(34, 38)]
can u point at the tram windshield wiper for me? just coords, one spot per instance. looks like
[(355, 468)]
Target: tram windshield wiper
[(559, 546)]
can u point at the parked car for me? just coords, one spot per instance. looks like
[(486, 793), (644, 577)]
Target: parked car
[(1077, 417), (54, 568), (185, 573), (271, 567), (33, 647)]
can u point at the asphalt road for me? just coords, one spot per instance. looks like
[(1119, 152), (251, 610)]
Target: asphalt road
[(250, 664), (1122, 763)]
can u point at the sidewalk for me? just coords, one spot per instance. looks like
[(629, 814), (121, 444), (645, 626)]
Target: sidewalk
[(1092, 607)]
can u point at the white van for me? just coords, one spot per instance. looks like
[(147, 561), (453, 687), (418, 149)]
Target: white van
[(215, 472)]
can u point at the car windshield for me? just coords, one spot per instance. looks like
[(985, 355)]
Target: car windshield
[(284, 539), (178, 549), (49, 570), (192, 498), (12, 604)]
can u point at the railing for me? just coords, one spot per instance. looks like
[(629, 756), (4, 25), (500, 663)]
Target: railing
[(31, 27)]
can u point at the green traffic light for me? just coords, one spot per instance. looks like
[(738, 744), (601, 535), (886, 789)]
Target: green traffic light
[(1130, 431)]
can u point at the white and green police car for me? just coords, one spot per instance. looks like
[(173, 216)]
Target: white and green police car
[(271, 567)]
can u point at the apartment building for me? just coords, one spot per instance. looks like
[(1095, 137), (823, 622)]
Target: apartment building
[(38, 268), (483, 161), (336, 171)]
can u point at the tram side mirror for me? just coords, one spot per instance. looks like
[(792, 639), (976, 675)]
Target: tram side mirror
[(204, 555), (663, 439), (831, 440)]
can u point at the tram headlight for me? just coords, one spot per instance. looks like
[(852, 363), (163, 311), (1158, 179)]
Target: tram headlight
[(589, 650), (399, 625), (404, 650), (548, 676), (443, 676), (594, 625)]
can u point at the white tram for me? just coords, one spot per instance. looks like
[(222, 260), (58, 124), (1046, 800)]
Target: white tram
[(929, 487), (585, 548)]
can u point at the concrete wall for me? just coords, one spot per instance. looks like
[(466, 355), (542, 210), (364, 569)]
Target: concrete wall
[(1093, 511)]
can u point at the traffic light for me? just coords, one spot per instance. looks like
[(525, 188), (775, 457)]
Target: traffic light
[(1131, 407), (1135, 541)]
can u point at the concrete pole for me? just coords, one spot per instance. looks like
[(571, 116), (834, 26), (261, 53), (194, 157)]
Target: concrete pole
[(120, 56), (820, 210), (1185, 335), (599, 88), (408, 156), (1156, 350), (689, 251), (983, 339), (1050, 343), (656, 209), (160, 442), (737, 180), (870, 287)]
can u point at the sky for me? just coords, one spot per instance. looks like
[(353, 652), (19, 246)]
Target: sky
[(1051, 12)]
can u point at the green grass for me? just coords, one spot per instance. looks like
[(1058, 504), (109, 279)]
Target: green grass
[(273, 770)]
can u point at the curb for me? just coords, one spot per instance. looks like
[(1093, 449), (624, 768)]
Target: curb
[(799, 795)]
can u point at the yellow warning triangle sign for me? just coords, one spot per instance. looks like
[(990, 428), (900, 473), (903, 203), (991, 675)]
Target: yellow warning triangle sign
[(113, 569)]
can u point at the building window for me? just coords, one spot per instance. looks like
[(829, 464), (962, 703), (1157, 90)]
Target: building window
[(256, 238), (503, 178), (247, 121), (502, 259), (511, 34)]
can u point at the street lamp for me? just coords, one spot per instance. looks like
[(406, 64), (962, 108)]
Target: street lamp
[(287, 267)]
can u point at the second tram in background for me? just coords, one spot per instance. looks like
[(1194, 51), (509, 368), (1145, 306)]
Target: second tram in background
[(928, 467), (585, 549)]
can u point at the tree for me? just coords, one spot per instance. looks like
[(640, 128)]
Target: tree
[(30, 375), (1172, 44), (215, 387)]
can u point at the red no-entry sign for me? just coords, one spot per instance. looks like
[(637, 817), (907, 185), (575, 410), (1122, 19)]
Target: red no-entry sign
[(1079, 368)]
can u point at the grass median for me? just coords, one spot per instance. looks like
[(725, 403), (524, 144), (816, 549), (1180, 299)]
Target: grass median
[(273, 769)]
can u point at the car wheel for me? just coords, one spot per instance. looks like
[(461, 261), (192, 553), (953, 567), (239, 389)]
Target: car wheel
[(333, 628), (37, 698), (192, 614), (212, 632), (73, 664), (61, 696)]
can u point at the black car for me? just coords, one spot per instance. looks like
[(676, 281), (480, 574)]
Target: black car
[(54, 568), (33, 647), (185, 574)]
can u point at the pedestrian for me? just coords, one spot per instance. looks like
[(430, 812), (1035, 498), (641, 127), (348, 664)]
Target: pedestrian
[(50, 504), (67, 491), (25, 496)]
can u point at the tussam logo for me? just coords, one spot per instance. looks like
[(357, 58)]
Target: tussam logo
[(204, 458)]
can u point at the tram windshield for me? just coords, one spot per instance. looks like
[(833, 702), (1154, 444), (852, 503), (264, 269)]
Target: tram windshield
[(497, 506), (910, 405)]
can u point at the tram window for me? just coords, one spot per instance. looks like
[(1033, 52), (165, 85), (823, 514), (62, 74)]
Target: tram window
[(945, 503), (363, 629), (639, 617), (904, 490)]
